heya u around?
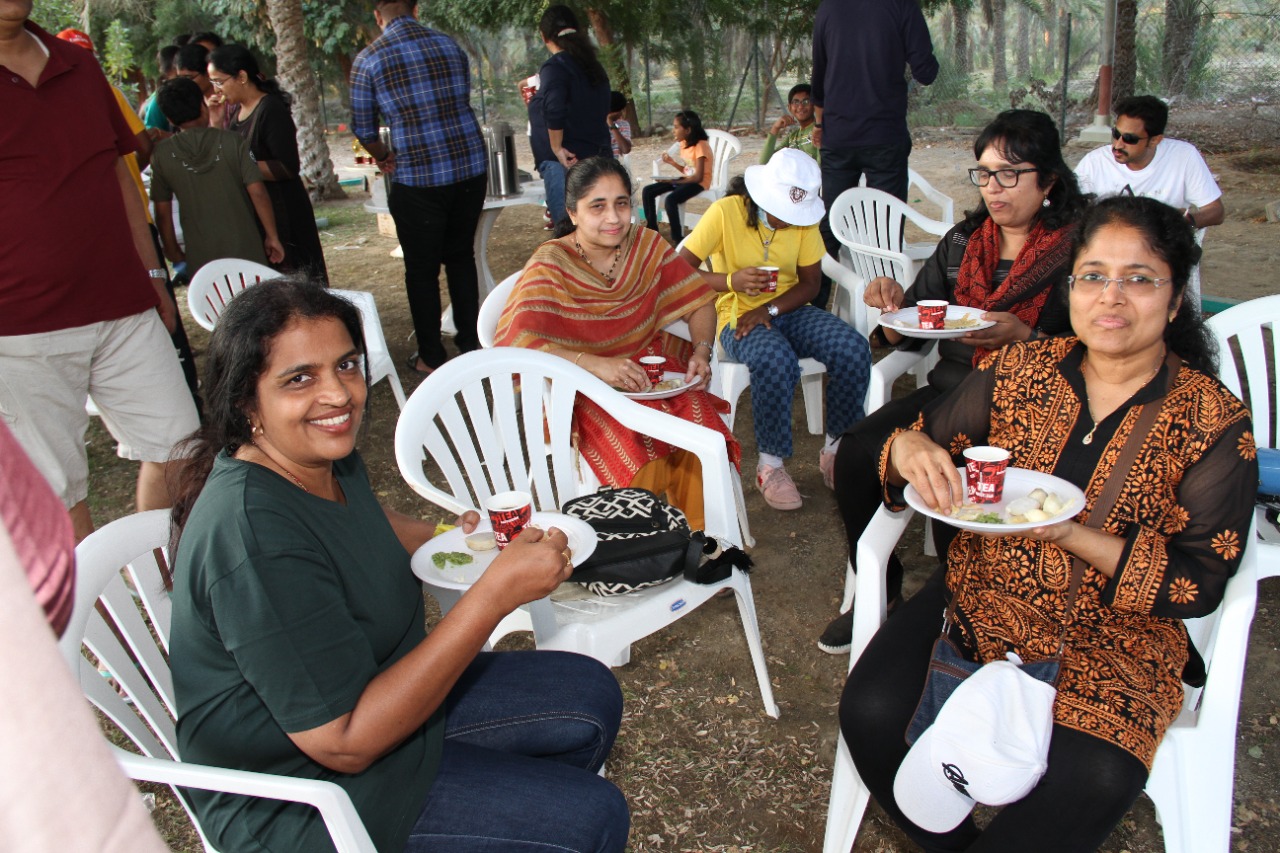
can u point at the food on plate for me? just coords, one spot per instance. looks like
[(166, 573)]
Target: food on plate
[(668, 385), (456, 558), (1036, 507), (967, 321), (484, 541)]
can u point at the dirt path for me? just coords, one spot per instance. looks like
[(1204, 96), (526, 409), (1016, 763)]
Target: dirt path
[(703, 768)]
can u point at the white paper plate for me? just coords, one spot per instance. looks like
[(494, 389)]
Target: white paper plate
[(662, 395), (1018, 483), (582, 542), (906, 322)]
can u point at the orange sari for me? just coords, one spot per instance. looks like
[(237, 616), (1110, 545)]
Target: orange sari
[(560, 301)]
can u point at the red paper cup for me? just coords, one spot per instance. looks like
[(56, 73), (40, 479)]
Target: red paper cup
[(984, 469), (772, 286), (653, 366), (509, 513), (932, 314)]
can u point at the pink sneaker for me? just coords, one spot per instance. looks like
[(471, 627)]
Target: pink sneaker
[(778, 488), (827, 465)]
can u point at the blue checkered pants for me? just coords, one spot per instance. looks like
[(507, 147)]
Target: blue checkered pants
[(773, 357)]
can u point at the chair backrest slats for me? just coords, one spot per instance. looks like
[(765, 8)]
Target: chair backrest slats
[(1249, 361)]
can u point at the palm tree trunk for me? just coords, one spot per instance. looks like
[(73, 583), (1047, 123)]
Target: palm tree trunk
[(1022, 64), (1182, 25), (1124, 72), (960, 10), (999, 67), (294, 71)]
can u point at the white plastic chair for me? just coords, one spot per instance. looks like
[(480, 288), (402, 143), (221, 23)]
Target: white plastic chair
[(1191, 780), (1251, 329), (468, 419), (491, 309), (724, 147), (946, 207), (216, 283), (137, 543)]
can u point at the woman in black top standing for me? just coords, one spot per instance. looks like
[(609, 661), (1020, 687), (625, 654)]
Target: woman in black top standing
[(259, 111), (567, 113)]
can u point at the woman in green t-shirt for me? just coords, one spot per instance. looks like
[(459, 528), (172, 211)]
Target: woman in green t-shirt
[(299, 643)]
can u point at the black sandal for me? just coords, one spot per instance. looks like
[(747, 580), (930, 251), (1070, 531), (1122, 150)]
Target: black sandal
[(412, 363)]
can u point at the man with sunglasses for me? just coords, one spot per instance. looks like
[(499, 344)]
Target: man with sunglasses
[(1141, 161)]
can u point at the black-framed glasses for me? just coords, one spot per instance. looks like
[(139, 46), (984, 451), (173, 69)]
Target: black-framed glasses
[(1093, 283), (1007, 178), (800, 102), (1129, 138)]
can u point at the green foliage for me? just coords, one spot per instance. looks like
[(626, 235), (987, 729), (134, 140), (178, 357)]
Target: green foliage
[(56, 15), (117, 53)]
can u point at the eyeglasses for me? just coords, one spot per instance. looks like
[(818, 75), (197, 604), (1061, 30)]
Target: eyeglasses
[(1007, 178), (1129, 138), (218, 84), (1093, 283), (800, 102)]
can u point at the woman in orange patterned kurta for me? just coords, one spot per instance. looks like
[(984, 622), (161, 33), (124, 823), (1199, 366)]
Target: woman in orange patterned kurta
[(1066, 406), (600, 296)]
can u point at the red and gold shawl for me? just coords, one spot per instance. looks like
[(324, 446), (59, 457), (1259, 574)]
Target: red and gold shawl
[(1026, 289), (560, 301)]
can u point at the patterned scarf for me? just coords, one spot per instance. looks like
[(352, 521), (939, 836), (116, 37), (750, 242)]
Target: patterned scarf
[(1026, 289)]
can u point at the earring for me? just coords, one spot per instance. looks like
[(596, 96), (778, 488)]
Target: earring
[(1046, 202)]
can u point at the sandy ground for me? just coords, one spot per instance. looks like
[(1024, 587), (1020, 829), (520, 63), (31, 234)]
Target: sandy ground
[(703, 768)]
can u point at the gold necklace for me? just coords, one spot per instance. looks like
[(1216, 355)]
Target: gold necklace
[(608, 276), (281, 467), (1088, 439)]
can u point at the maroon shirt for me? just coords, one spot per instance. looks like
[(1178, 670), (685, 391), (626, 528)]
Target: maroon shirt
[(67, 257)]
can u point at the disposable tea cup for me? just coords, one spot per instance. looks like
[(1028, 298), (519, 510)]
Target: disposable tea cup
[(653, 365), (772, 285), (932, 314), (984, 469), (509, 513)]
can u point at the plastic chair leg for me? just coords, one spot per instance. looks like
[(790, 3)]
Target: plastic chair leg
[(741, 585), (744, 523), (849, 799), (811, 387)]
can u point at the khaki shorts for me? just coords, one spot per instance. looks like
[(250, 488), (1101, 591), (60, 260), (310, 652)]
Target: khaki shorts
[(130, 368)]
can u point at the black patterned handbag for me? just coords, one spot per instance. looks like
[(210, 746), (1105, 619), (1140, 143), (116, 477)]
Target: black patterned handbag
[(642, 541)]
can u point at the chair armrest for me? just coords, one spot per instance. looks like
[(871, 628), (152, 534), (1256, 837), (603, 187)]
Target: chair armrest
[(874, 547), (335, 807), (848, 303)]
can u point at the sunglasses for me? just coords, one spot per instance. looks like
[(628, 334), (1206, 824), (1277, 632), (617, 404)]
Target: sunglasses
[(1127, 138)]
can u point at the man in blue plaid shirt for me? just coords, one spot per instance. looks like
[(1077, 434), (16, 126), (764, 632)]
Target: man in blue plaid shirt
[(418, 81)]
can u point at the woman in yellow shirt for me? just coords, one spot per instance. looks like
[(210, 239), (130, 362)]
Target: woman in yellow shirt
[(768, 226)]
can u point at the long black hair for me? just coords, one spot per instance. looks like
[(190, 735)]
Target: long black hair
[(692, 122), (231, 59), (1168, 235), (560, 27), (237, 355), (1029, 136), (579, 180), (738, 186)]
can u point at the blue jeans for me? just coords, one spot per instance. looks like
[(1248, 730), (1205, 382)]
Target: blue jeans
[(553, 185), (525, 733), (773, 357)]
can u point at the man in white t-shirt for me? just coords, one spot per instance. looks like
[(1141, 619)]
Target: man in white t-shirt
[(1141, 161)]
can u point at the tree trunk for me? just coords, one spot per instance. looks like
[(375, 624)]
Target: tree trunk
[(964, 62), (1050, 67), (1124, 73), (1182, 25), (1022, 62), (999, 69), (616, 62), (294, 72)]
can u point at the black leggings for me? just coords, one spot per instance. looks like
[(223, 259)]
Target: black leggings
[(1088, 788), (679, 194)]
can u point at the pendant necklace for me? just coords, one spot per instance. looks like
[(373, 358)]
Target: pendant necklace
[(608, 276), (1088, 439), (773, 232), (281, 467)]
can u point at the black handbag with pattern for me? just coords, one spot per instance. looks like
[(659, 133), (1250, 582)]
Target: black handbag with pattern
[(642, 541)]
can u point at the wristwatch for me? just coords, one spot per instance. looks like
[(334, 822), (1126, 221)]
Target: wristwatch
[(771, 309), (158, 273)]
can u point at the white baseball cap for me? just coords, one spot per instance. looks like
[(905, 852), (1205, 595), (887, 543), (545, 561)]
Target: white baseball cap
[(989, 745), (789, 186)]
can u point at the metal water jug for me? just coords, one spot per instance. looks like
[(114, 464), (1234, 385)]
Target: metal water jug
[(504, 180)]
